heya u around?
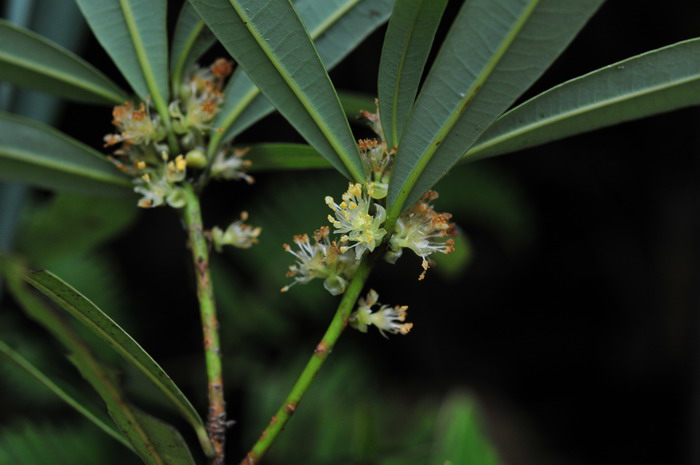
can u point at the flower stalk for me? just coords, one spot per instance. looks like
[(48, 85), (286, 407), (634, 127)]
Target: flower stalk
[(321, 352), (216, 418)]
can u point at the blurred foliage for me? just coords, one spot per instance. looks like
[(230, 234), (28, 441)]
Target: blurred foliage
[(66, 234), (70, 225), (54, 444), (458, 438)]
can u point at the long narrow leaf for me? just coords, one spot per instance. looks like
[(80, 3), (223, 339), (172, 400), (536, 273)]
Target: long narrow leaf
[(335, 26), (155, 442), (494, 51), (38, 154), (191, 39), (271, 157), (101, 324), (31, 61), (269, 42), (654, 82), (35, 373), (407, 44), (165, 444), (133, 32)]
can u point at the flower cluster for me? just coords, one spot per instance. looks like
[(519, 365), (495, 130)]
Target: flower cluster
[(359, 220), (144, 154), (354, 220), (377, 162), (158, 175), (422, 230), (200, 97), (136, 126), (386, 319), (158, 184), (377, 158), (360, 215), (323, 259)]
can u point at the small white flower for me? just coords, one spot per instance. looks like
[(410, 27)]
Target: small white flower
[(238, 234), (422, 230), (231, 165), (153, 193), (323, 259)]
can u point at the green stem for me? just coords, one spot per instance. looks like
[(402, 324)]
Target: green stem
[(173, 144), (216, 419), (335, 329)]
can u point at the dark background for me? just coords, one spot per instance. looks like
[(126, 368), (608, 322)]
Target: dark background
[(575, 322)]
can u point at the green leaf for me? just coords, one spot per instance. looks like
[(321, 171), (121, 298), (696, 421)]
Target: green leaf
[(270, 157), (165, 445), (12, 198), (407, 44), (34, 372), (269, 42), (494, 51), (155, 442), (133, 32), (34, 62), (458, 439), (191, 39), (101, 324), (34, 153), (654, 82), (335, 26)]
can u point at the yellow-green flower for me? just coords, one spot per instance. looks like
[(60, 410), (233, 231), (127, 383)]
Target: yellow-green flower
[(355, 222), (323, 259)]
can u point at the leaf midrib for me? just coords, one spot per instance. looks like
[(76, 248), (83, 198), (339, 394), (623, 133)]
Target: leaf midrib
[(28, 156), (243, 103), (331, 20), (180, 63), (146, 69), (60, 76), (489, 68), (579, 111), (394, 137), (313, 34)]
